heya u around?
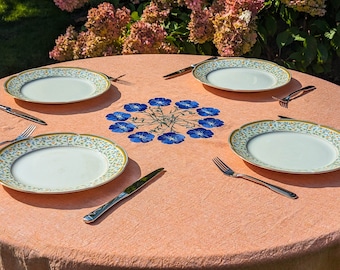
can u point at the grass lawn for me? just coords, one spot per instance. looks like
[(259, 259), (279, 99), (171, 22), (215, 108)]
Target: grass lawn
[(28, 29)]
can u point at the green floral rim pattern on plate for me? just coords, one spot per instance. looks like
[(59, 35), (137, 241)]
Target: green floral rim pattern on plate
[(281, 74), (115, 155), (14, 84), (240, 138)]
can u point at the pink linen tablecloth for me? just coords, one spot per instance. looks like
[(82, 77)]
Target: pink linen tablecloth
[(192, 216)]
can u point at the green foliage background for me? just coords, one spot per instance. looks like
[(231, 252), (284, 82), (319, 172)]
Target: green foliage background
[(28, 29)]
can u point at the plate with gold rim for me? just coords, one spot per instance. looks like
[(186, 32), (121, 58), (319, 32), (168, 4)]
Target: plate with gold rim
[(61, 163), (290, 146), (57, 85), (240, 74)]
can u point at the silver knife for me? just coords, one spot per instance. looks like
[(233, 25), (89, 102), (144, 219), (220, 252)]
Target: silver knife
[(186, 70), (22, 115), (127, 192)]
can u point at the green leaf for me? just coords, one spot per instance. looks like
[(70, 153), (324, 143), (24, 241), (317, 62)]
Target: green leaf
[(170, 38), (115, 3), (271, 25), (330, 34), (189, 48), (207, 48), (322, 53), (310, 43), (262, 33), (140, 8), (256, 50), (135, 16), (283, 39), (310, 51), (335, 3), (318, 69), (337, 16), (321, 25), (297, 56), (336, 41), (299, 37)]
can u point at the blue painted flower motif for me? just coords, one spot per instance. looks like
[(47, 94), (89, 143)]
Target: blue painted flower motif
[(200, 133), (169, 124), (160, 102), (118, 116), (210, 122), (121, 127), (207, 111), (187, 104), (135, 107), (171, 138), (141, 137)]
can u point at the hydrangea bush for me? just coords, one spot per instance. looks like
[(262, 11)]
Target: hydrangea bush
[(300, 34)]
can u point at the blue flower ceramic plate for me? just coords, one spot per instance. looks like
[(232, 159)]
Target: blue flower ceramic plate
[(60, 163), (289, 146), (58, 85), (241, 74)]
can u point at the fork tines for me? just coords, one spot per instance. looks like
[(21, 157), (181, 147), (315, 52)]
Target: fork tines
[(28, 131), (282, 102), (222, 166), (296, 94)]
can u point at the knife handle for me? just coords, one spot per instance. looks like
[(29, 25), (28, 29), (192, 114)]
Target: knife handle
[(95, 214)]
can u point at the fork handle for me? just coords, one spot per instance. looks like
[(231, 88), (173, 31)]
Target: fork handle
[(1, 143), (274, 188), (303, 91)]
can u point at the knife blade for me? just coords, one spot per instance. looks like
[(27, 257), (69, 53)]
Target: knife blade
[(186, 69), (22, 115), (95, 214)]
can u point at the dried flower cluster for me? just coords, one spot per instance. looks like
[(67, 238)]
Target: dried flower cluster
[(312, 7), (229, 24), (148, 35), (104, 36), (107, 34), (70, 5)]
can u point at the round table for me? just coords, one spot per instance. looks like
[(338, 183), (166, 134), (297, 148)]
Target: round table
[(192, 216)]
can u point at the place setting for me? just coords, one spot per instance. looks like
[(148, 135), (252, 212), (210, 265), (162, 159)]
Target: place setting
[(287, 145), (65, 163), (62, 162), (72, 162), (237, 74), (247, 79)]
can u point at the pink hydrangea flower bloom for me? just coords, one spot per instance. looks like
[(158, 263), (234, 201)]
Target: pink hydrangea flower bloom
[(147, 37), (229, 23), (70, 5), (312, 7), (201, 26), (63, 50), (106, 27)]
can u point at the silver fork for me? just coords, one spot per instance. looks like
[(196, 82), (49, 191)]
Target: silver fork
[(24, 135), (114, 79), (228, 171), (296, 94)]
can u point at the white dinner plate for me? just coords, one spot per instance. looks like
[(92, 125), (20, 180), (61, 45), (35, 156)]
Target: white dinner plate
[(241, 74), (289, 146), (60, 163), (58, 85)]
